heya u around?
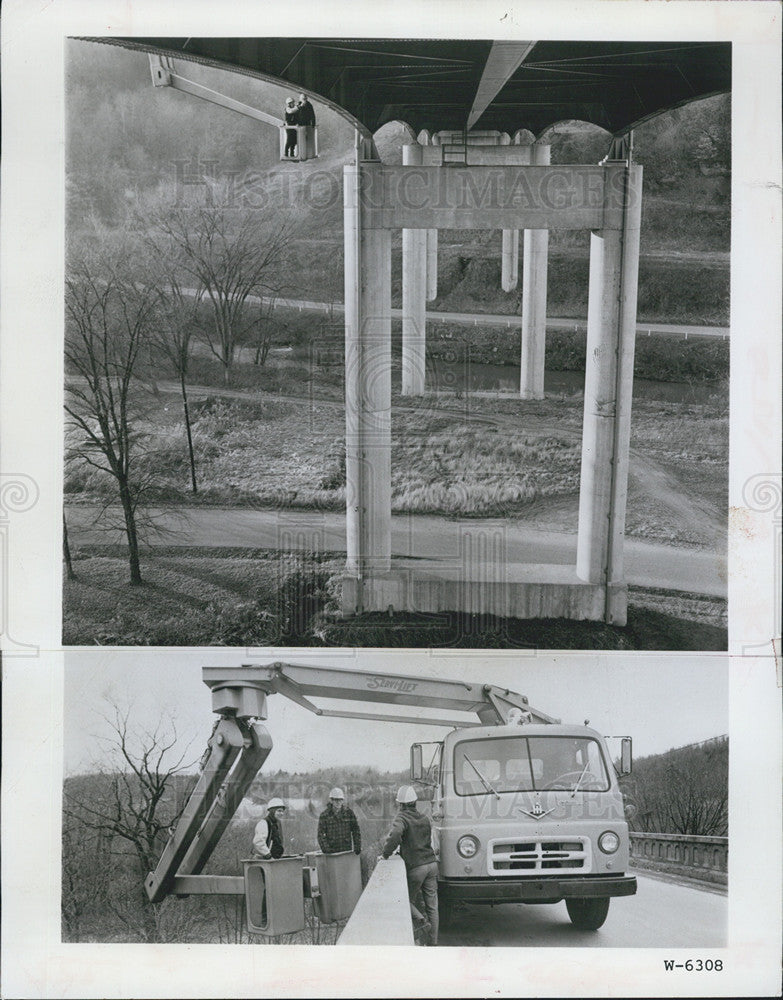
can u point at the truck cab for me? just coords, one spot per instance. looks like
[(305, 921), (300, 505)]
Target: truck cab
[(528, 814)]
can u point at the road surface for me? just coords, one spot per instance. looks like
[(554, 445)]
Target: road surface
[(504, 319), (416, 537), (661, 915), (493, 319)]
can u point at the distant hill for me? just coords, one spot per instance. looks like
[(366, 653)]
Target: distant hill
[(684, 790)]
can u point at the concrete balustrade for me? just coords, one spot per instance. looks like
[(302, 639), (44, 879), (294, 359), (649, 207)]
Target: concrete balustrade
[(704, 858), (383, 915)]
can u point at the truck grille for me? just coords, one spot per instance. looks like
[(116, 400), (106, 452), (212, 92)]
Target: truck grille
[(539, 856)]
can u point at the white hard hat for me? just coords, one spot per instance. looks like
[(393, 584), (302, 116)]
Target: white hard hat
[(336, 793), (275, 804), (407, 793)]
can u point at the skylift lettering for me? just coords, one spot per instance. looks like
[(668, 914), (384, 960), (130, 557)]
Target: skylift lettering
[(391, 684)]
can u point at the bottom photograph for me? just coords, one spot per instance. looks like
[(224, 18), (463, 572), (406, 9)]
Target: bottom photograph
[(572, 800)]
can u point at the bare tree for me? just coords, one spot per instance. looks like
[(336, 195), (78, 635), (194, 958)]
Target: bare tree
[(264, 330), (69, 570), (85, 876), (232, 259), (109, 316), (173, 338), (131, 807)]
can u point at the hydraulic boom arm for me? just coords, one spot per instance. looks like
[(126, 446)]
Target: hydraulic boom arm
[(242, 691), (163, 75)]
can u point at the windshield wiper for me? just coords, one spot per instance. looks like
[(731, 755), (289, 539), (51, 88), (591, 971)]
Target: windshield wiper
[(579, 780), (483, 780)]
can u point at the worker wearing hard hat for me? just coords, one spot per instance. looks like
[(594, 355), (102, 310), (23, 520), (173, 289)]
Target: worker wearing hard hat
[(412, 832), (338, 828), (268, 836)]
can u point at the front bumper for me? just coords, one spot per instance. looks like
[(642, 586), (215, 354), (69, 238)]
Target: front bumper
[(534, 890)]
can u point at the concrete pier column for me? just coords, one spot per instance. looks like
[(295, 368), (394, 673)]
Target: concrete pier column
[(509, 261), (414, 295), (611, 323), (535, 258), (629, 284), (432, 265), (367, 389)]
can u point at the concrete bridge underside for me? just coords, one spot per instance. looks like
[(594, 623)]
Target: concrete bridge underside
[(496, 179)]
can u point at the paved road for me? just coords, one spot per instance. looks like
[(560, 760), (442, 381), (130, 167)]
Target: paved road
[(661, 915), (496, 319), (504, 319), (420, 537)]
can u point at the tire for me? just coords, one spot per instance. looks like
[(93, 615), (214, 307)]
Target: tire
[(588, 914), (450, 914), (446, 916)]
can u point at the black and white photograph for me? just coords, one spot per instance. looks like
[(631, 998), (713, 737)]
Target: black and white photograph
[(292, 418), (529, 820), (390, 499)]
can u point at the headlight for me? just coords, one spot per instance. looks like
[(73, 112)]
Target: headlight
[(609, 842), (467, 846)]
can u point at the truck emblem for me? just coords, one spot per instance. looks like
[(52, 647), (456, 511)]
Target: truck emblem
[(538, 810)]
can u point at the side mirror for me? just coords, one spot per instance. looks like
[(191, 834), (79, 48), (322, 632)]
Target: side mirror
[(417, 768), (626, 755)]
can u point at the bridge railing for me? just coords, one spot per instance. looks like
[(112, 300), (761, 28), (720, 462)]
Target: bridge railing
[(383, 914), (704, 858)]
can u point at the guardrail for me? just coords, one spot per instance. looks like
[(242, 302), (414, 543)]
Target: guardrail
[(383, 913), (703, 858)]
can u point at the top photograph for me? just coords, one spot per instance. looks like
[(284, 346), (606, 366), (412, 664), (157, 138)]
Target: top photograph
[(397, 343)]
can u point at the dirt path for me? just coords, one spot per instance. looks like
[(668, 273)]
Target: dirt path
[(697, 517)]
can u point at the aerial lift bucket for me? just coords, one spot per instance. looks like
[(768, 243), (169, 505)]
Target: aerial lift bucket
[(306, 142), (274, 896), (339, 885)]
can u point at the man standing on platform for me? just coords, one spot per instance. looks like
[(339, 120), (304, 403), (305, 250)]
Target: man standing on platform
[(338, 828), (306, 111)]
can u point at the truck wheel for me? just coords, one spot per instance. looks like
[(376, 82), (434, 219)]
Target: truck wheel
[(587, 914), (445, 913)]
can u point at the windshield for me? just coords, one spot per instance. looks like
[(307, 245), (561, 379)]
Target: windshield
[(535, 764)]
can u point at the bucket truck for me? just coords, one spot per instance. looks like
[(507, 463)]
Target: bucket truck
[(525, 809)]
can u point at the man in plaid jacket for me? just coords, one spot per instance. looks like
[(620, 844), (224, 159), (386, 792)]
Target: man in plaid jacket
[(338, 828)]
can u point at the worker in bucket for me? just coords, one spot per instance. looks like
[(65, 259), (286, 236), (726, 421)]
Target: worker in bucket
[(268, 836), (411, 831), (338, 828), (291, 117), (306, 112)]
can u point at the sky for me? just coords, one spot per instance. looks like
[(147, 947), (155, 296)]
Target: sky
[(659, 700)]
